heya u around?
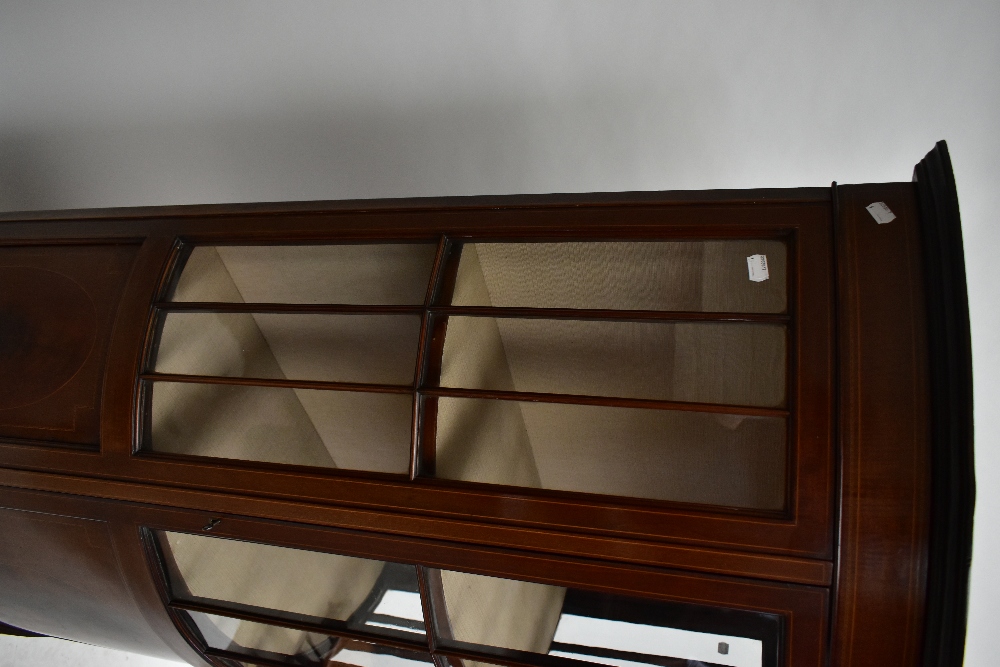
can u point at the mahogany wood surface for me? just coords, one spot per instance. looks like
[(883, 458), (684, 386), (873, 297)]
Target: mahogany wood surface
[(57, 307), (884, 424), (804, 607), (632, 198), (804, 529), (844, 564), (699, 559), (61, 576), (952, 459)]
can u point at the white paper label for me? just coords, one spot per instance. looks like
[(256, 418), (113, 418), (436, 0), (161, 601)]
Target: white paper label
[(881, 212), (757, 266)]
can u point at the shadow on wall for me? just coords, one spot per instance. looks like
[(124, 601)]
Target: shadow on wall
[(610, 141)]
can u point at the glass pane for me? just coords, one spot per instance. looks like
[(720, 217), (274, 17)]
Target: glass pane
[(596, 627), (376, 274), (308, 586), (378, 349), (709, 362), (331, 429), (694, 457), (309, 648), (708, 276)]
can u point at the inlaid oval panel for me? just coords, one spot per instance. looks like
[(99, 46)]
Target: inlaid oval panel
[(48, 326)]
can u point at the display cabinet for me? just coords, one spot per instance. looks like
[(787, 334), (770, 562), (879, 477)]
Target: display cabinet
[(666, 428)]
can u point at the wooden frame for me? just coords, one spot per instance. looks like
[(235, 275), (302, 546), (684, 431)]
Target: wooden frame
[(802, 606), (872, 551), (806, 533)]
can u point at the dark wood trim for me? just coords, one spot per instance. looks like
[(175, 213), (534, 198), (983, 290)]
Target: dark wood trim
[(605, 314), (429, 372), (435, 611), (278, 382), (256, 660), (331, 628), (437, 270), (121, 427), (627, 222), (395, 527), (421, 449), (953, 479), (430, 204), (285, 308), (158, 579), (805, 606), (603, 401), (884, 431)]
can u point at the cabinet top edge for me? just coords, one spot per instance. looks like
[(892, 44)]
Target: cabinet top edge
[(808, 195)]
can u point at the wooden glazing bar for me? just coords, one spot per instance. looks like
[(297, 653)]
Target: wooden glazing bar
[(426, 431), (425, 605), (598, 652), (278, 382), (441, 258), (333, 628), (433, 331), (612, 315), (255, 660), (325, 308), (511, 657), (604, 401)]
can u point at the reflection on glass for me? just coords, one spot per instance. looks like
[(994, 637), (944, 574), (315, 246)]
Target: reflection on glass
[(378, 349), (710, 276), (331, 429), (494, 613), (708, 362), (375, 274), (694, 457), (270, 642)]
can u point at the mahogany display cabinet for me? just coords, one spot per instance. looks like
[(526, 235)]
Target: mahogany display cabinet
[(657, 428)]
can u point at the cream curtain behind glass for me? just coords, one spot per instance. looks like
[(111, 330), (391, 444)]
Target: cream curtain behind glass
[(209, 420), (690, 457), (487, 443), (302, 582), (320, 428)]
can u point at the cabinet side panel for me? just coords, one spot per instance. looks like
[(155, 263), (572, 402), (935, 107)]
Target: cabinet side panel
[(57, 309), (61, 576), (881, 574)]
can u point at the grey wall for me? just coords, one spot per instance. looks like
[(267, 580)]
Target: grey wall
[(133, 103)]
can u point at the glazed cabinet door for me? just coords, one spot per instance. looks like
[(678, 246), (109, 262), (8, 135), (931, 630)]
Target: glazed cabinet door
[(654, 373)]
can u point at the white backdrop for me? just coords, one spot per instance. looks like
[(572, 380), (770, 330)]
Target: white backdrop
[(135, 103)]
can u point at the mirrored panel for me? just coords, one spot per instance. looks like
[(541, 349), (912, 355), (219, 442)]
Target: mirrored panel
[(364, 595), (735, 363), (375, 349), (745, 276), (509, 618), (374, 274), (297, 647), (694, 457), (331, 429)]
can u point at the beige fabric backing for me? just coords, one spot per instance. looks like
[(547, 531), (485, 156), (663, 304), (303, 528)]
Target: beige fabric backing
[(488, 442), (378, 349), (378, 274), (736, 364), (681, 456), (685, 276), (292, 580), (511, 614), (306, 427)]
